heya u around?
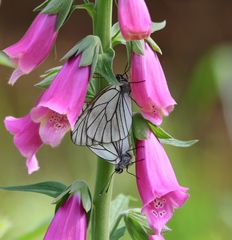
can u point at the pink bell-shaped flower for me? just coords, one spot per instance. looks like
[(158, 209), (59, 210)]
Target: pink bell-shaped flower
[(159, 189), (70, 221), (149, 86), (26, 138), (134, 19), (34, 47), (61, 104)]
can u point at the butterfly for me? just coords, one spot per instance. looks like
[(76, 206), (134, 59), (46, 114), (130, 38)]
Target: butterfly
[(107, 118), (117, 153)]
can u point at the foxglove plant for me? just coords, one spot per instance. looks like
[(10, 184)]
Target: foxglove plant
[(86, 97)]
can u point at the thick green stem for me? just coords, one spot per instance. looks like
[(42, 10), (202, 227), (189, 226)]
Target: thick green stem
[(102, 199)]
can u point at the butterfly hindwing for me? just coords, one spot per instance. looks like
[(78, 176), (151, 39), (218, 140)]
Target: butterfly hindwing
[(111, 152)]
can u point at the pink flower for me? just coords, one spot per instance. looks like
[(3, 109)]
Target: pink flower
[(26, 138), (134, 19), (149, 86), (156, 237), (158, 187), (34, 47), (61, 104), (70, 221)]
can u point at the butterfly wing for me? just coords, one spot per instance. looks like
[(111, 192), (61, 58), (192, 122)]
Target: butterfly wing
[(108, 152), (79, 134), (110, 116), (111, 152)]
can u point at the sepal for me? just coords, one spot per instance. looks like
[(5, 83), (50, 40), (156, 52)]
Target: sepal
[(5, 60), (137, 224), (77, 187), (88, 6), (116, 35), (140, 127), (157, 26), (154, 45), (105, 66), (89, 47), (47, 77), (61, 8)]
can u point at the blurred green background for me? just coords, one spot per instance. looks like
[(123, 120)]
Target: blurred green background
[(197, 59)]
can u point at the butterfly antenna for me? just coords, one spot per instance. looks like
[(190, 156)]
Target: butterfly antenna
[(107, 186)]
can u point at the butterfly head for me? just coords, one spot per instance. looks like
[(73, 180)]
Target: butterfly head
[(124, 163)]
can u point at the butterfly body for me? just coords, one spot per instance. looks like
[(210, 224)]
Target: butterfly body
[(124, 163)]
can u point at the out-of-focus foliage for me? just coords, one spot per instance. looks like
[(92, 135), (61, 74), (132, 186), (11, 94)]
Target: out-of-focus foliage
[(199, 75)]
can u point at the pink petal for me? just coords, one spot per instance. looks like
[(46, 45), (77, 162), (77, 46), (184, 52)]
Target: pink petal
[(53, 128), (149, 86), (134, 19), (159, 189), (26, 138), (32, 164), (69, 223), (34, 47)]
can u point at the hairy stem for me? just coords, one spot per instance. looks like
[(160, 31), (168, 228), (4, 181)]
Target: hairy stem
[(102, 199)]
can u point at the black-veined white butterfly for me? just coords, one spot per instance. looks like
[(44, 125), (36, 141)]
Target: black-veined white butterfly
[(116, 153), (107, 118)]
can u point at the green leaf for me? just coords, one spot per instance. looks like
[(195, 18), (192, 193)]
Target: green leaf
[(61, 8), (157, 26), (52, 189), (5, 60), (37, 233), (89, 7), (137, 225), (117, 206), (77, 187), (166, 138), (105, 66), (140, 127), (178, 143), (138, 47), (154, 45), (48, 77), (89, 47), (116, 35)]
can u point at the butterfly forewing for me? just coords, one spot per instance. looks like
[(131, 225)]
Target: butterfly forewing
[(79, 133), (110, 116)]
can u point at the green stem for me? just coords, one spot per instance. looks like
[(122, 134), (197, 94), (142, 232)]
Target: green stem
[(102, 199)]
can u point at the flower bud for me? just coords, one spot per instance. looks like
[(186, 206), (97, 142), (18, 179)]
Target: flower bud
[(134, 19), (70, 221)]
